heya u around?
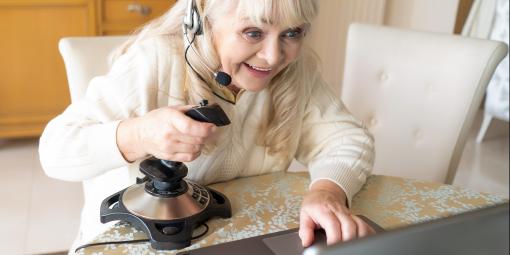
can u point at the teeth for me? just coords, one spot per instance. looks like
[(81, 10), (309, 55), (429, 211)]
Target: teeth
[(260, 68)]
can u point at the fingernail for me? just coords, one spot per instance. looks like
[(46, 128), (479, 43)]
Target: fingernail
[(304, 242)]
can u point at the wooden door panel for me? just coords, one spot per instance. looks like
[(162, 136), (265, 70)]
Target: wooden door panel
[(33, 84)]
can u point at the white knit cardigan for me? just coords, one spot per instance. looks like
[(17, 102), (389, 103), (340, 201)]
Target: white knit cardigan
[(80, 144)]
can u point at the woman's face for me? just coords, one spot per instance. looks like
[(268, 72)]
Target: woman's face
[(253, 54)]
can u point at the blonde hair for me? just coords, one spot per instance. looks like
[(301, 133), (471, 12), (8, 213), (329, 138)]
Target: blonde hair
[(287, 89)]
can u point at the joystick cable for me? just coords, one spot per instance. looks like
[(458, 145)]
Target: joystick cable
[(135, 241)]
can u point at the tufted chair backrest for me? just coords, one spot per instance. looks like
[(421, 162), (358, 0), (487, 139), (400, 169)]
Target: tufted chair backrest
[(85, 58), (418, 93)]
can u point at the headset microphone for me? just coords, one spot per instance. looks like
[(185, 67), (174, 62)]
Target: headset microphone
[(222, 78)]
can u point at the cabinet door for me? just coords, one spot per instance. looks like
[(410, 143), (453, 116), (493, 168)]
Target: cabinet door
[(33, 84), (121, 17)]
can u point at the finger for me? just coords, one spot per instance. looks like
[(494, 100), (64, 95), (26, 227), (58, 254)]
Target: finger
[(181, 157), (175, 136), (182, 148), (187, 139), (188, 126), (183, 108), (306, 228), (172, 143), (332, 226), (367, 229), (363, 228), (348, 225)]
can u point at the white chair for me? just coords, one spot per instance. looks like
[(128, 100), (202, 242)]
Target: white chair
[(418, 94), (85, 58)]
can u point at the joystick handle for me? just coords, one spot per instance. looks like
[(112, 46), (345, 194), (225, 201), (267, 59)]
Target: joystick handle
[(208, 113), (163, 170), (203, 113)]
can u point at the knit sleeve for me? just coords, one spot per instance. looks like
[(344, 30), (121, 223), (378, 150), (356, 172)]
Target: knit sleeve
[(80, 143), (333, 144)]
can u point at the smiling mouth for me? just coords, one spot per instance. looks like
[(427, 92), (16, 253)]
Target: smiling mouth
[(260, 69)]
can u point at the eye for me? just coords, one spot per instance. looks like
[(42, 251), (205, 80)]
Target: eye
[(253, 35), (293, 33)]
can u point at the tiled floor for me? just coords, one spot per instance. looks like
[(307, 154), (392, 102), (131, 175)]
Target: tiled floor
[(484, 167), (41, 215)]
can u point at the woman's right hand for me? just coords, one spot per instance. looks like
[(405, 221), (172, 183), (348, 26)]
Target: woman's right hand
[(166, 133)]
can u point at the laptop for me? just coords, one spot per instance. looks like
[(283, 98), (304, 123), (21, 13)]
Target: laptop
[(279, 243), (483, 231), (480, 232)]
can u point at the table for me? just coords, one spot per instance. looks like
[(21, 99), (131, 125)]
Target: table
[(269, 203)]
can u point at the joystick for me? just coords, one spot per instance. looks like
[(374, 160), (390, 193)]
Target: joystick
[(165, 205)]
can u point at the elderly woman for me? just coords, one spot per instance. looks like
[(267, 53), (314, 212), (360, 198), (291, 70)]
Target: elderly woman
[(280, 108)]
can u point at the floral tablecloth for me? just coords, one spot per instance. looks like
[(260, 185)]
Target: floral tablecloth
[(269, 203)]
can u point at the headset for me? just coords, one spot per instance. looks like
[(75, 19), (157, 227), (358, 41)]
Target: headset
[(192, 24), (192, 21)]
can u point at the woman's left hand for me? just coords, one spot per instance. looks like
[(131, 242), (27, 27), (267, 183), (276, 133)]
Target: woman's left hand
[(324, 206)]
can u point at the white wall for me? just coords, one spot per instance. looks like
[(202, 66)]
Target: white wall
[(329, 31), (427, 15)]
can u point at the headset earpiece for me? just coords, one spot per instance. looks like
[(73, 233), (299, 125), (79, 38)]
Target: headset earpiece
[(192, 21)]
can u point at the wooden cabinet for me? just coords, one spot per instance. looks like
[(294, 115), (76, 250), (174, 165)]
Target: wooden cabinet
[(123, 16), (33, 82)]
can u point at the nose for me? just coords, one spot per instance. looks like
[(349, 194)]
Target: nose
[(272, 51)]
